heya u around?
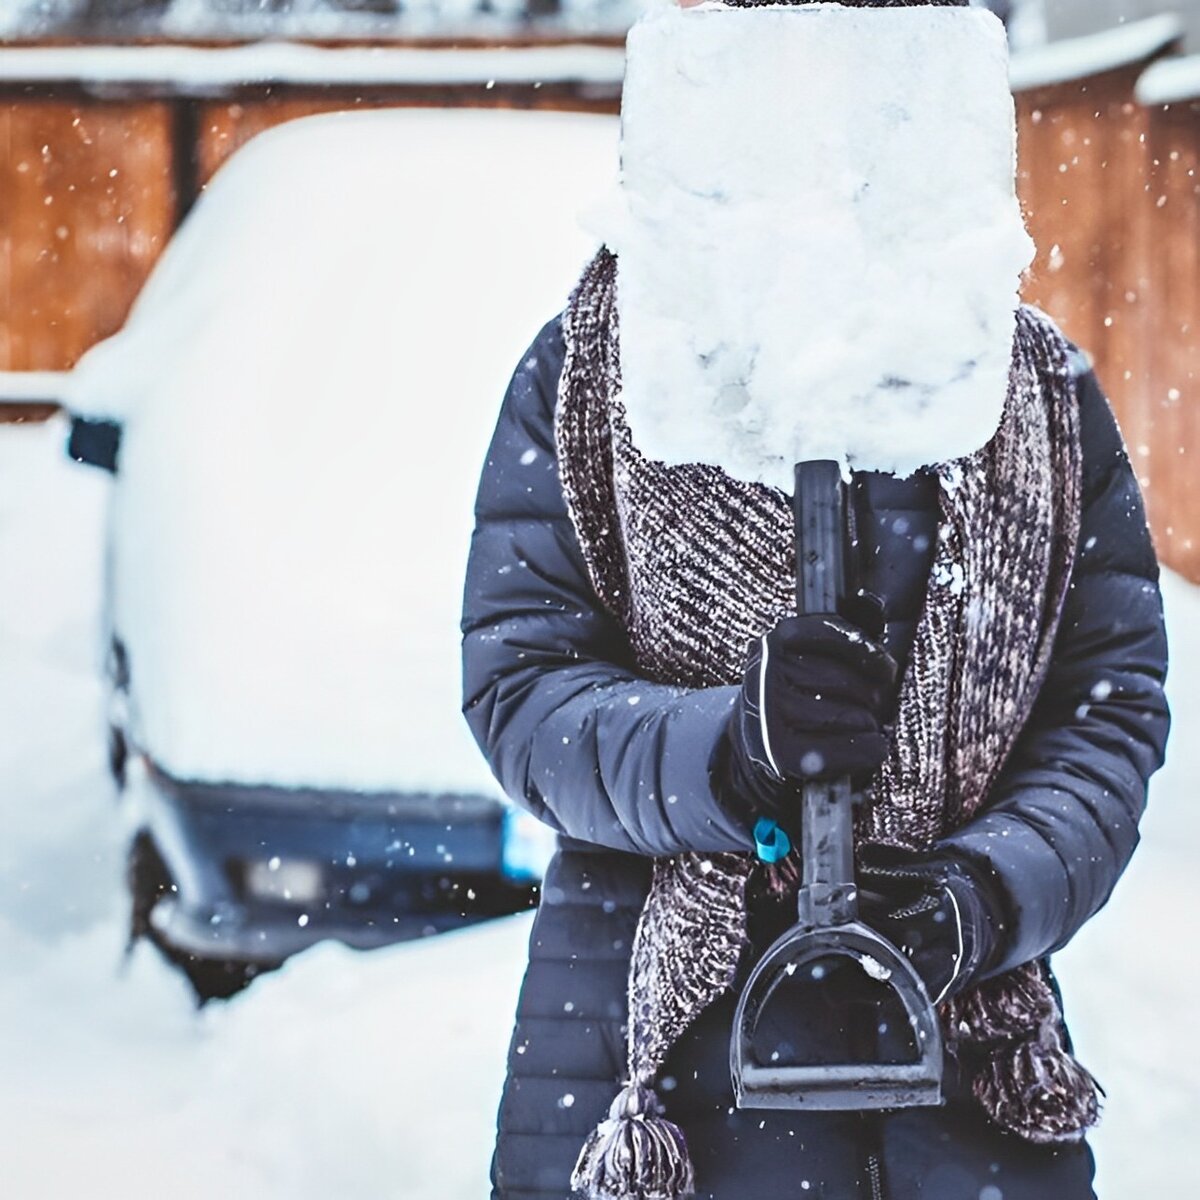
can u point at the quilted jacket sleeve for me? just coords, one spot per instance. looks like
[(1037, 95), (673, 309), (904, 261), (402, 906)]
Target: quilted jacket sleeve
[(550, 689), (1062, 822)]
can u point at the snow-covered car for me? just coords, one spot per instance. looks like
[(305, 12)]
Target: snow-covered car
[(296, 412)]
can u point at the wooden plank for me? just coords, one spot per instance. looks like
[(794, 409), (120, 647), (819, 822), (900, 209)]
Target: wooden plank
[(1067, 179), (1126, 293), (87, 202), (1173, 495), (1060, 161), (1112, 198), (21, 414)]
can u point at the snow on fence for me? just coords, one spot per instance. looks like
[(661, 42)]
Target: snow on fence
[(98, 169)]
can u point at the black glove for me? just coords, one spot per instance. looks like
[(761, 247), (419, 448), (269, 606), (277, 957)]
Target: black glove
[(940, 911), (815, 695)]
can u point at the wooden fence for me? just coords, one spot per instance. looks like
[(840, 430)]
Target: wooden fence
[(1112, 199), (96, 174), (91, 186)]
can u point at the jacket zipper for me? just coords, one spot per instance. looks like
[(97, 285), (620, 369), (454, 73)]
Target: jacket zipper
[(875, 1176), (873, 1137)]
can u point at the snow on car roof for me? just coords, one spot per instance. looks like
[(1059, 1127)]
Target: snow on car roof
[(308, 383)]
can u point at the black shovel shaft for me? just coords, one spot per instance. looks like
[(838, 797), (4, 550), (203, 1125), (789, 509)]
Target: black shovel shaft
[(827, 831), (819, 507)]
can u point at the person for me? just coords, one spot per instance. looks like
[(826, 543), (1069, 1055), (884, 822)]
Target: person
[(637, 677)]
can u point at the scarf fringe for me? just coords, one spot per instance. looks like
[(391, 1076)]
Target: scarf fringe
[(636, 1154), (1038, 1090), (1005, 1008), (1026, 1080)]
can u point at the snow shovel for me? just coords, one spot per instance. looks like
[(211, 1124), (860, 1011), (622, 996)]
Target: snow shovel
[(828, 924)]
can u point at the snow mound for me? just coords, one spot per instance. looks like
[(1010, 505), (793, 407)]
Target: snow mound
[(845, 291), (344, 1074), (308, 383)]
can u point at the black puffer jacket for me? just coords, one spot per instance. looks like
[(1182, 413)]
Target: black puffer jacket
[(549, 680)]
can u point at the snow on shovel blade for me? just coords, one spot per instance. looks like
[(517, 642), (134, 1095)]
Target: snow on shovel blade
[(818, 236)]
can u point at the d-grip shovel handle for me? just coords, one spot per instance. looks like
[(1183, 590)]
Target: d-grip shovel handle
[(836, 1087)]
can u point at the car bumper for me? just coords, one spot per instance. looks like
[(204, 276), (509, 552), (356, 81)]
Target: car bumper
[(258, 873)]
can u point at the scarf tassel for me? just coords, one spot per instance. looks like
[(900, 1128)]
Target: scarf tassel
[(636, 1154), (1036, 1089)]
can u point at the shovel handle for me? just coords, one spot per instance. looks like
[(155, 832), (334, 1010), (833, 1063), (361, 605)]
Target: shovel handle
[(827, 830), (827, 827), (827, 898), (819, 508)]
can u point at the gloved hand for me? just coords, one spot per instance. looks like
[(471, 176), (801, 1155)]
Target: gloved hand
[(815, 695), (940, 911)]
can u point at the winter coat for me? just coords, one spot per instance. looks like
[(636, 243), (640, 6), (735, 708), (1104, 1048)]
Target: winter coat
[(548, 685)]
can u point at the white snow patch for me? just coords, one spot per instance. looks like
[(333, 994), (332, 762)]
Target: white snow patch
[(23, 387), (1026, 24), (57, 835), (846, 291), (874, 968), (1170, 81), (1094, 53), (339, 1076)]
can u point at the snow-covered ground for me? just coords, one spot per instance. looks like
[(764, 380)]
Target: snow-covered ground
[(377, 1075), (371, 1075)]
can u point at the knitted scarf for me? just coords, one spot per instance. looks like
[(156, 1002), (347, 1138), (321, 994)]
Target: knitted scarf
[(696, 564)]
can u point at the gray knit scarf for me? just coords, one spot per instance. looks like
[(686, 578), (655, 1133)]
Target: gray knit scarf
[(696, 564)]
